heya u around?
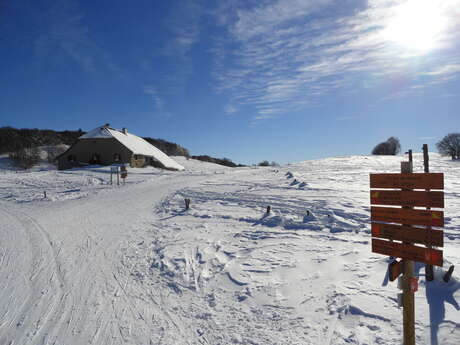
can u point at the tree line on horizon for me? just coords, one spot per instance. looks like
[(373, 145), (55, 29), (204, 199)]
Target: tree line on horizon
[(447, 146), (22, 145)]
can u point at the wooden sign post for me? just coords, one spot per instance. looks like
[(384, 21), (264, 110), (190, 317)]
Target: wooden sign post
[(124, 173), (408, 275), (406, 232)]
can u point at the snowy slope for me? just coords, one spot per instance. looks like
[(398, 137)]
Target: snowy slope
[(95, 263)]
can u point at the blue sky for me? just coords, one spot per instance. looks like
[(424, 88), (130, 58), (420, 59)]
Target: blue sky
[(282, 80)]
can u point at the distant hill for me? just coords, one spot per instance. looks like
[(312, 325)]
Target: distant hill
[(222, 161), (13, 139)]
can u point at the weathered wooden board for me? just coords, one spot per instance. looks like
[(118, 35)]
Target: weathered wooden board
[(407, 216), (407, 198), (407, 252), (428, 237), (408, 181)]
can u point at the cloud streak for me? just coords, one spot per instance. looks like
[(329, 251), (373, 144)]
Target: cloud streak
[(157, 100), (286, 55), (181, 30), (61, 33)]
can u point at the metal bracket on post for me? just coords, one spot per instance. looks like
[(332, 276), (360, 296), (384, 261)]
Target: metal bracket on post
[(448, 274)]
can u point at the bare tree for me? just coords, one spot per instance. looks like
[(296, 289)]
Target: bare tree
[(450, 145), (389, 147), (26, 157)]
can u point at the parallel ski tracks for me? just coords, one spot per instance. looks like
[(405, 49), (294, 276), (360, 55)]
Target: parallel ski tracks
[(36, 255)]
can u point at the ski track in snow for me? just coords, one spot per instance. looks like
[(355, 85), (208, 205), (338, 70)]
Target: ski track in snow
[(94, 263)]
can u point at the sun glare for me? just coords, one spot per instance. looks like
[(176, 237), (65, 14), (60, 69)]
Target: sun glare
[(416, 24)]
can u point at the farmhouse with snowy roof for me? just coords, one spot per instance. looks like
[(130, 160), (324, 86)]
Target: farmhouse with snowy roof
[(105, 145)]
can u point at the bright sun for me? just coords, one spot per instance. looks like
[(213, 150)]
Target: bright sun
[(416, 24)]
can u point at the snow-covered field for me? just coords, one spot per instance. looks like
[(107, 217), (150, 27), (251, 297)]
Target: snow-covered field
[(94, 263)]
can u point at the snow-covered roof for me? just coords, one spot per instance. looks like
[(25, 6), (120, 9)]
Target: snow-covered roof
[(135, 144), (99, 132)]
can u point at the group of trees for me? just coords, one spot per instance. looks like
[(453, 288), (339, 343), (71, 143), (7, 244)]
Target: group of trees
[(268, 164), (25, 158), (389, 147), (222, 161), (450, 145), (14, 139), (447, 146)]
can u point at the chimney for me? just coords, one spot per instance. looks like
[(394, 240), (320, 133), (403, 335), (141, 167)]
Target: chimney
[(125, 130), (106, 125)]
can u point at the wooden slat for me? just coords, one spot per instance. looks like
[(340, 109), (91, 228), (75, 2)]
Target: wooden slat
[(408, 181), (407, 252), (405, 216), (407, 198), (408, 234)]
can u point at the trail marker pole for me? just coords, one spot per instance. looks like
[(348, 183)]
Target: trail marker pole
[(429, 276), (408, 274), (124, 173)]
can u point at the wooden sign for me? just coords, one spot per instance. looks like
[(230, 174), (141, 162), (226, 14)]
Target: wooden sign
[(407, 198), (407, 216), (407, 252), (124, 172), (395, 268), (408, 181), (402, 233)]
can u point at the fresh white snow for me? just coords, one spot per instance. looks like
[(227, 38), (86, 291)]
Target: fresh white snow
[(94, 263)]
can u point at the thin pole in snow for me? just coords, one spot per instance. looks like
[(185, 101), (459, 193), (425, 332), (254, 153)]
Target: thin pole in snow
[(429, 275)]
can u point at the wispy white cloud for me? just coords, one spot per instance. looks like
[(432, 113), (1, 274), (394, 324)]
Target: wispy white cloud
[(184, 29), (444, 70), (157, 100), (265, 17), (61, 33), (181, 30), (230, 109), (285, 55)]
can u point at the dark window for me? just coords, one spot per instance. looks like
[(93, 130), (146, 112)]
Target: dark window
[(71, 158), (116, 157), (95, 159)]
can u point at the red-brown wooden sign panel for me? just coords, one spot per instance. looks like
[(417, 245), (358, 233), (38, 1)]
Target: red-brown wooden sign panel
[(407, 198), (402, 233), (408, 181), (407, 252), (407, 216)]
